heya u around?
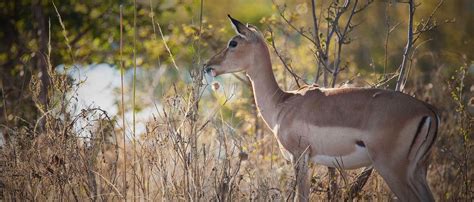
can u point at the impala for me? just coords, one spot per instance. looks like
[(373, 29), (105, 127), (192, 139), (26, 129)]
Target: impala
[(347, 128)]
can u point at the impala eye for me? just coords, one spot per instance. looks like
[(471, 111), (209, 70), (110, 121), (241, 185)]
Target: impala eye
[(232, 44)]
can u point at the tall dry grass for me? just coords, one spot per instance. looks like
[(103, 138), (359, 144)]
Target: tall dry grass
[(185, 155)]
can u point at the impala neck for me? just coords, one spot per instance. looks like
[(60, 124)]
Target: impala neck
[(266, 91)]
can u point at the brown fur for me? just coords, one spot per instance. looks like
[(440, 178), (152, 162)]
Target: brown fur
[(385, 121)]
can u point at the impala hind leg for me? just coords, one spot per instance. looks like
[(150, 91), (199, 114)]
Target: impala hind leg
[(396, 175), (418, 180), (420, 154), (406, 178)]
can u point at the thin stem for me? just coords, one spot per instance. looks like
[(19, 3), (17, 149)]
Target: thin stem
[(134, 93), (287, 67), (123, 108), (166, 46), (406, 54), (315, 24), (200, 31), (152, 19), (300, 31), (387, 35), (319, 50), (341, 40)]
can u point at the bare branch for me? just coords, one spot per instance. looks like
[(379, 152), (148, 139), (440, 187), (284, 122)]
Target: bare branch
[(334, 13), (413, 36), (387, 36), (287, 67), (408, 46), (415, 48), (316, 27), (429, 24), (346, 28), (299, 30), (321, 55), (166, 46), (319, 50), (342, 36)]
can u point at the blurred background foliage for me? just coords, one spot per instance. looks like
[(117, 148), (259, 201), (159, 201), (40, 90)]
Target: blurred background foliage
[(90, 35), (36, 38)]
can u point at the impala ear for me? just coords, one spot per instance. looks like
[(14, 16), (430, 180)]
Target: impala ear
[(240, 28)]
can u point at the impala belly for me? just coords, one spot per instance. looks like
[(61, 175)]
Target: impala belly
[(358, 158), (330, 146), (338, 146)]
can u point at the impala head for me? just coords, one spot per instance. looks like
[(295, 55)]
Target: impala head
[(239, 55)]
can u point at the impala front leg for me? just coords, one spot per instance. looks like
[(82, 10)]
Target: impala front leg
[(300, 163)]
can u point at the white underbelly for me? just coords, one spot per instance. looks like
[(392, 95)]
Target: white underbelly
[(358, 158), (330, 140)]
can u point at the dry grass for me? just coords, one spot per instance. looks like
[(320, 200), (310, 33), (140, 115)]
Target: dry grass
[(185, 156)]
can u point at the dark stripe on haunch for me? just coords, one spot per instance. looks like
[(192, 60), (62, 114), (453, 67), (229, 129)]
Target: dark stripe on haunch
[(435, 134), (432, 140), (420, 125), (436, 121), (360, 143)]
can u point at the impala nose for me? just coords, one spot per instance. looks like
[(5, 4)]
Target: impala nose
[(208, 70)]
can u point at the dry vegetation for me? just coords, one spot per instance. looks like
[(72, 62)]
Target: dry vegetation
[(184, 156), (189, 152)]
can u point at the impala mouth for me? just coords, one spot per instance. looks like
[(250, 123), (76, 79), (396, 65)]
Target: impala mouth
[(211, 71)]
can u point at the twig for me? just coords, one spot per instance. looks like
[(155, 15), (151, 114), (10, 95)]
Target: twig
[(166, 46), (109, 183), (64, 33), (413, 36), (341, 40), (287, 67), (152, 13), (357, 186), (387, 36), (333, 26), (411, 56), (406, 53), (123, 107), (134, 96), (319, 49), (301, 32), (316, 27), (429, 24)]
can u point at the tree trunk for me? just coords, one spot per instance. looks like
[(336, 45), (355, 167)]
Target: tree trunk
[(40, 62)]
